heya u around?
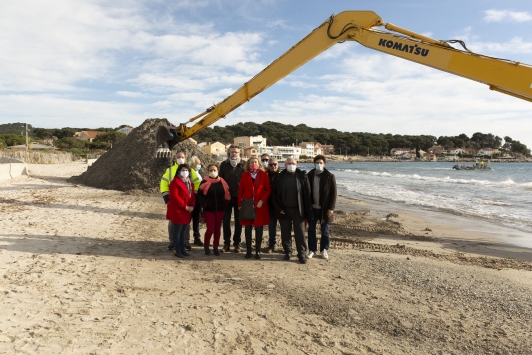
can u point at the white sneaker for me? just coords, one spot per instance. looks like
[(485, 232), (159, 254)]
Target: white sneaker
[(310, 255), (325, 254)]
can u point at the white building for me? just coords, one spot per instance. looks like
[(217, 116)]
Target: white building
[(399, 151), (250, 141), (126, 130), (309, 148), (287, 152)]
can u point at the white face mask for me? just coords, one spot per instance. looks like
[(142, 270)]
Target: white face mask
[(265, 164), (319, 167), (291, 168), (183, 174), (198, 167), (180, 161), (213, 174)]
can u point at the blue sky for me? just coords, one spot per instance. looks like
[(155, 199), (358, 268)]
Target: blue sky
[(92, 63)]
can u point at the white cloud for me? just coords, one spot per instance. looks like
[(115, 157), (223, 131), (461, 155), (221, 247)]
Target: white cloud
[(96, 41), (131, 94), (506, 15)]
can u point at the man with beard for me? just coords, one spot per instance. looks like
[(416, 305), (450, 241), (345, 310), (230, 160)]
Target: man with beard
[(231, 171)]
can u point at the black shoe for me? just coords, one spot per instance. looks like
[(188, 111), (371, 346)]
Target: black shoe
[(302, 259), (287, 257), (188, 247), (257, 256), (248, 255), (184, 252), (198, 242), (216, 252), (170, 247), (207, 251)]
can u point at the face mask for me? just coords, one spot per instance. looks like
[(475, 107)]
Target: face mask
[(291, 168), (253, 167), (198, 167), (319, 167), (265, 164), (180, 161), (213, 174), (183, 174)]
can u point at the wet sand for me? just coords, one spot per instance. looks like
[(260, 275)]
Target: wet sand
[(86, 271)]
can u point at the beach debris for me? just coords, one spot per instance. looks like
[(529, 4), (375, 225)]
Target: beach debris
[(427, 230), (392, 215), (130, 164)]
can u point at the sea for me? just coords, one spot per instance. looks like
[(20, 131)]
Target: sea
[(502, 195)]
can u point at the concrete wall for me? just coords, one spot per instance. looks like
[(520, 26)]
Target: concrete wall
[(12, 170), (40, 157)]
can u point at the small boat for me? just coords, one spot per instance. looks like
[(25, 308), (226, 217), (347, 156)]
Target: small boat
[(479, 165)]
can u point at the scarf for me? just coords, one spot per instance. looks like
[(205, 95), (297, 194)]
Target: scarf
[(209, 181), (187, 183)]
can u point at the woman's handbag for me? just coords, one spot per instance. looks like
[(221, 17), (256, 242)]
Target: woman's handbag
[(247, 210)]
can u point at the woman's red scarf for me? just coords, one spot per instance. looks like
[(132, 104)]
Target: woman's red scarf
[(209, 181)]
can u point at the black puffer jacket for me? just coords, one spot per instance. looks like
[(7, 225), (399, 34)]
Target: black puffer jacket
[(304, 200), (215, 199)]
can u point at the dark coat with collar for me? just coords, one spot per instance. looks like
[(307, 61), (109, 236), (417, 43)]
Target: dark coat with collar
[(232, 175), (304, 200), (327, 192)]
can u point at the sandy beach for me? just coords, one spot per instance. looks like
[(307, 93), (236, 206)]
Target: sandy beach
[(87, 271)]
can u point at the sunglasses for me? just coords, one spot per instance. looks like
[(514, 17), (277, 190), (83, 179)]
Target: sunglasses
[(272, 164), (265, 160)]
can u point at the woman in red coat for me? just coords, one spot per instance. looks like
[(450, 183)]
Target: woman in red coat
[(179, 208), (255, 183)]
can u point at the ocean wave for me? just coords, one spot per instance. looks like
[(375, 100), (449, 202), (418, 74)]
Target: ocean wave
[(446, 179), (483, 208), (490, 202)]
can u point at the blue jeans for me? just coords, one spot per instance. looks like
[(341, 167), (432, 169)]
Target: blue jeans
[(272, 229), (325, 237), (171, 233), (178, 236)]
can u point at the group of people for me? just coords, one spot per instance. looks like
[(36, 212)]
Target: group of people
[(291, 197)]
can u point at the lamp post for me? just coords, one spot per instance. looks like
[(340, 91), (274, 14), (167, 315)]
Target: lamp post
[(26, 134)]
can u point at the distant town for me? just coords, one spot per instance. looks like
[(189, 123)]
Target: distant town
[(281, 141)]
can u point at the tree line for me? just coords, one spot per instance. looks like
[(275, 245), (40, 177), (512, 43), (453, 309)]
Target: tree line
[(355, 143), (350, 143)]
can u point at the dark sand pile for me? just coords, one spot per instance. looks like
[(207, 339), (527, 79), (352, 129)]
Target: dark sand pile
[(131, 164)]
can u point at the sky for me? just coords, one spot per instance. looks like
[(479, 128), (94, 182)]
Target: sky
[(104, 63)]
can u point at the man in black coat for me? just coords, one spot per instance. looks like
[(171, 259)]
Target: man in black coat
[(323, 195), (293, 205), (231, 171)]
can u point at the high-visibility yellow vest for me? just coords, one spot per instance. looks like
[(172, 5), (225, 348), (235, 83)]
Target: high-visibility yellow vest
[(169, 174)]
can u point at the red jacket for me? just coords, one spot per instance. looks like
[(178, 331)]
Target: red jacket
[(180, 198), (261, 188)]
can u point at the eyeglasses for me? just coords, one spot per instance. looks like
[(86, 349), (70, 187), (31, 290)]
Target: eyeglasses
[(265, 160), (272, 164)]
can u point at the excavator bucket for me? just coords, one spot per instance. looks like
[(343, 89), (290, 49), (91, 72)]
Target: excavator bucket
[(166, 138)]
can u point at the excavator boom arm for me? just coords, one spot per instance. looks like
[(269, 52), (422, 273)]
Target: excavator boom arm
[(508, 77)]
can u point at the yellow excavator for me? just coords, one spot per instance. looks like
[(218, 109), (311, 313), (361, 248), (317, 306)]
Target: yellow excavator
[(505, 76)]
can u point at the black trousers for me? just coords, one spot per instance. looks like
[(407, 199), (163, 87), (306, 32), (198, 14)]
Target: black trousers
[(195, 219), (231, 207), (298, 222)]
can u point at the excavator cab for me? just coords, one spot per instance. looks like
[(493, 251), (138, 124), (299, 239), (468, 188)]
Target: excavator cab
[(167, 138)]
